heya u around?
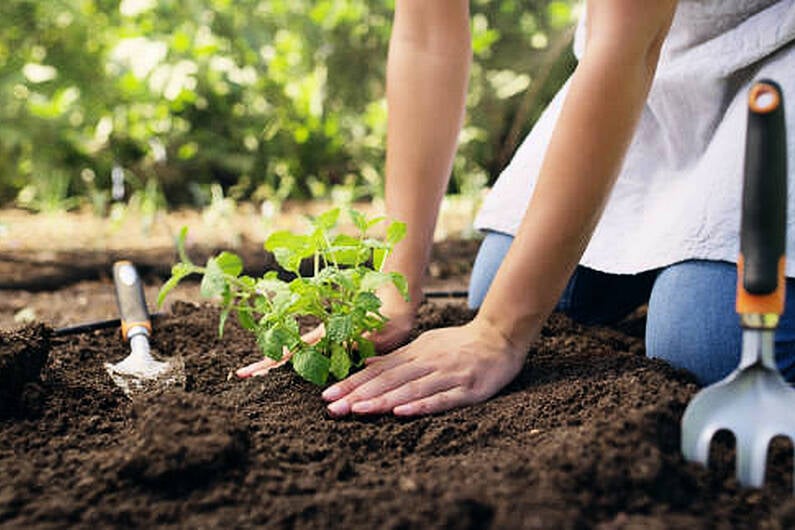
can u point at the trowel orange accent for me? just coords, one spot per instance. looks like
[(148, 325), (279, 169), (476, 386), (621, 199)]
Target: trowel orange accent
[(760, 303), (763, 89), (127, 326)]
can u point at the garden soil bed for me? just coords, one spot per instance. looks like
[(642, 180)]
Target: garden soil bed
[(586, 437)]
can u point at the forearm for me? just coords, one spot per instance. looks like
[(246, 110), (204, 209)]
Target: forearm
[(427, 71), (584, 156)]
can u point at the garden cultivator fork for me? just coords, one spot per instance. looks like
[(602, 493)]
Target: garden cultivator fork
[(754, 402)]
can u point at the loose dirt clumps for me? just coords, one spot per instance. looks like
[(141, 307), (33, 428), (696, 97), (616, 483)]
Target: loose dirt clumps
[(586, 437)]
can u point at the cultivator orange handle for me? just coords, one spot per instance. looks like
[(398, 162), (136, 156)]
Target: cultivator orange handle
[(130, 299), (760, 267)]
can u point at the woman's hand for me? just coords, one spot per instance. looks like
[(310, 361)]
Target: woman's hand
[(443, 369)]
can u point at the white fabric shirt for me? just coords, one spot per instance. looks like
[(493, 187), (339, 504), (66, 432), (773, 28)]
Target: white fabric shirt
[(678, 194)]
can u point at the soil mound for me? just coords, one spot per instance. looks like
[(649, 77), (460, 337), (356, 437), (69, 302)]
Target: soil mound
[(22, 355), (182, 441)]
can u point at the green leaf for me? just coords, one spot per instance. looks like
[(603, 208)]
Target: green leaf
[(372, 280), (402, 285), (271, 285), (213, 283), (395, 232), (311, 365), (229, 263), (222, 320), (366, 349), (178, 272), (340, 364), (359, 220), (379, 255), (289, 249), (339, 328), (346, 250), (326, 220), (368, 302), (245, 318), (183, 236), (341, 277), (273, 341), (372, 222)]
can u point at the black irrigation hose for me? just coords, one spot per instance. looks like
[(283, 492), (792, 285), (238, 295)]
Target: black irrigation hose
[(93, 326), (446, 294)]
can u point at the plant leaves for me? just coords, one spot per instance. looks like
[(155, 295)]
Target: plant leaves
[(346, 250), (366, 349), (245, 318), (359, 220), (339, 328), (402, 285), (273, 341), (289, 249), (372, 280), (213, 283), (181, 239), (326, 220), (229, 263), (368, 301), (222, 320), (374, 221), (395, 232), (311, 365), (340, 364), (379, 255), (178, 272)]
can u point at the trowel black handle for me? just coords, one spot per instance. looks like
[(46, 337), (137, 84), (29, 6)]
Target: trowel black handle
[(764, 213), (130, 298)]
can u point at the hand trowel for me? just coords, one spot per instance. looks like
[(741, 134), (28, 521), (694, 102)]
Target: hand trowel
[(139, 371)]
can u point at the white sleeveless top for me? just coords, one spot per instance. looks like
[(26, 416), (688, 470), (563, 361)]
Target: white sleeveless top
[(678, 194)]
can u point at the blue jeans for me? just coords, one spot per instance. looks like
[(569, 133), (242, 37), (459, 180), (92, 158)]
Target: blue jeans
[(691, 319)]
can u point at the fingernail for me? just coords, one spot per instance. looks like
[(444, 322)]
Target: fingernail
[(332, 393), (242, 374), (339, 408), (362, 407), (403, 410)]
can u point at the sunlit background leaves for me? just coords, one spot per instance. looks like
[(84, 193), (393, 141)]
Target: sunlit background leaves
[(268, 99)]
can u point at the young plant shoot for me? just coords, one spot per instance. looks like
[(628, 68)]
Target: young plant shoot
[(346, 272)]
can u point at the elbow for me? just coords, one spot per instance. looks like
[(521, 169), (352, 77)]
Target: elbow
[(630, 32)]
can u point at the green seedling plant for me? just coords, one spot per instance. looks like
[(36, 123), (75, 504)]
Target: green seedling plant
[(340, 294)]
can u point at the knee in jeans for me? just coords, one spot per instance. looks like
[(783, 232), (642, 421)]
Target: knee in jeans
[(691, 346)]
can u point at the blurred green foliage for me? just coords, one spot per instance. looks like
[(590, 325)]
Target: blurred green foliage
[(269, 98)]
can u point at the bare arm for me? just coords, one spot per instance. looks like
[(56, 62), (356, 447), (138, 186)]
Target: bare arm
[(451, 367), (427, 72), (599, 115)]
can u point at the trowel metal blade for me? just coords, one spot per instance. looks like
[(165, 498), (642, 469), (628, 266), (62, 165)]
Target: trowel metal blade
[(140, 372)]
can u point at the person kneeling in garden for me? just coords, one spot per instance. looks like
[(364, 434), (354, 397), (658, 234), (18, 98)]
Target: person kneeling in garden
[(626, 192)]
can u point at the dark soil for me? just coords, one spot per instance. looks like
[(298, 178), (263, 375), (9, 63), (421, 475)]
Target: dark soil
[(586, 437)]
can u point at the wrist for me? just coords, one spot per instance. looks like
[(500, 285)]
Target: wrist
[(519, 332), (496, 336)]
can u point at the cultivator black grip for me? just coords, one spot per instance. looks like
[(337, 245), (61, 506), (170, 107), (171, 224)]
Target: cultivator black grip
[(762, 232), (130, 298)]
